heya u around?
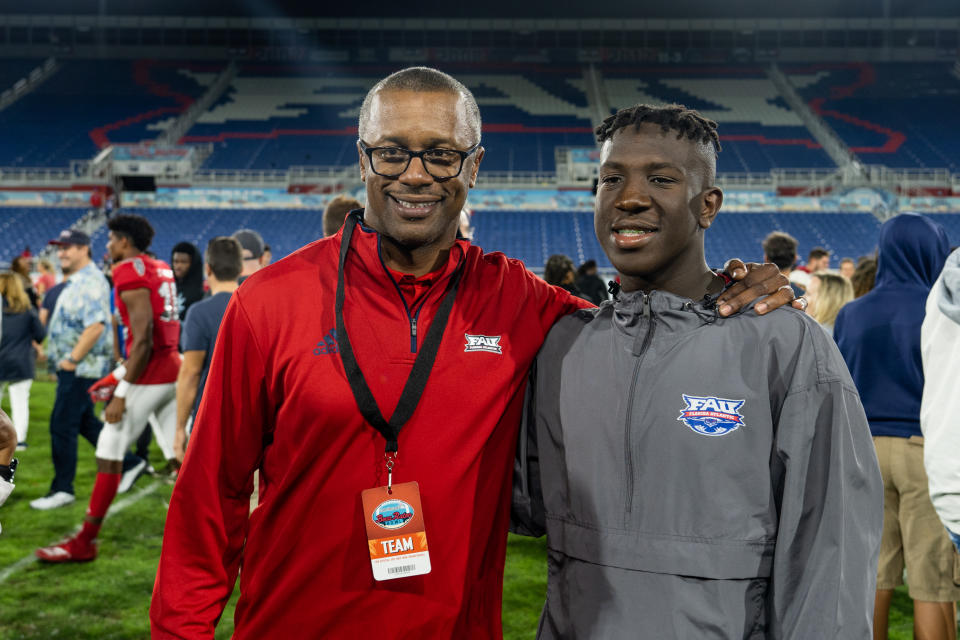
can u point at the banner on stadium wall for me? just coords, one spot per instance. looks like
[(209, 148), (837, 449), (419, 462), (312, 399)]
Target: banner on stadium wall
[(854, 201), (45, 198), (528, 199), (228, 199), (929, 204), (150, 160), (584, 155)]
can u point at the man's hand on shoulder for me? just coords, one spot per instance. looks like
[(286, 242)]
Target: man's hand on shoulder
[(752, 281)]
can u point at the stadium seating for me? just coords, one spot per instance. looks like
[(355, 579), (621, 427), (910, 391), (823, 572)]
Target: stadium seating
[(12, 70), (896, 114), (950, 222), (274, 117), (532, 236), (90, 103), (758, 131), (285, 230), (32, 227)]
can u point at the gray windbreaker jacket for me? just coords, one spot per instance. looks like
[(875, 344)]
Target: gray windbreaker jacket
[(698, 477)]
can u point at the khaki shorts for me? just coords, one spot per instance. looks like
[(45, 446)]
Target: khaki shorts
[(912, 532)]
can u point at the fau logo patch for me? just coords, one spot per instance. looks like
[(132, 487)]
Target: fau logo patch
[(490, 344), (711, 416), (328, 345)]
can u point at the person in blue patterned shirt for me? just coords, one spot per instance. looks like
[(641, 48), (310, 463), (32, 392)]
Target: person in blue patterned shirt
[(81, 347)]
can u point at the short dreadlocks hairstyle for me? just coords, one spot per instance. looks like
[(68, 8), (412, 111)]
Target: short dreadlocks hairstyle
[(136, 228), (687, 123)]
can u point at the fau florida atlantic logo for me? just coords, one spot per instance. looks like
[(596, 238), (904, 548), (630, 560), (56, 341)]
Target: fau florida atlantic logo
[(711, 416), (490, 344)]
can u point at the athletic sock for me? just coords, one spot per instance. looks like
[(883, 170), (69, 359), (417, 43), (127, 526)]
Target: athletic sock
[(104, 491)]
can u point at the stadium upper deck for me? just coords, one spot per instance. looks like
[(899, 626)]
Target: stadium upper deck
[(531, 236), (276, 116), (895, 114), (88, 104)]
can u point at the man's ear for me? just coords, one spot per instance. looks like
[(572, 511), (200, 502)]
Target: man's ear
[(710, 203), (362, 159), (477, 157)]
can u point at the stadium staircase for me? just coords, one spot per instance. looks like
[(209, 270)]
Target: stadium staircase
[(820, 130), (24, 85), (596, 95), (189, 117)]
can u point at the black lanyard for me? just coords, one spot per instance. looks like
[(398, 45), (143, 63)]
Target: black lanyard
[(422, 366)]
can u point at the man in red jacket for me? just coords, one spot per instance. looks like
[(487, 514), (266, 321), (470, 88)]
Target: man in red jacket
[(400, 315)]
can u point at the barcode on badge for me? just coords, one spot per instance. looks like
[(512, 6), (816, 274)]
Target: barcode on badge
[(406, 568)]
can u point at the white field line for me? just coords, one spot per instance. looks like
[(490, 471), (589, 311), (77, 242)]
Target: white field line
[(115, 508)]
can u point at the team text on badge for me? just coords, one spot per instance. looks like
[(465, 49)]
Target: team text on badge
[(395, 531)]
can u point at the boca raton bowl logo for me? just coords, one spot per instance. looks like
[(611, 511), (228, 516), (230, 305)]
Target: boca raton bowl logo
[(711, 416), (392, 514)]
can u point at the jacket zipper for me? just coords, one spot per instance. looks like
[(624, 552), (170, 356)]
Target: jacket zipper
[(413, 331), (412, 317), (627, 440)]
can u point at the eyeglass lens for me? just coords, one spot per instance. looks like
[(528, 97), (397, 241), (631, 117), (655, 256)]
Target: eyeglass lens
[(440, 163)]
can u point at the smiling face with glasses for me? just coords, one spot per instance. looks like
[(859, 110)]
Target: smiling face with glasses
[(392, 162), (419, 155)]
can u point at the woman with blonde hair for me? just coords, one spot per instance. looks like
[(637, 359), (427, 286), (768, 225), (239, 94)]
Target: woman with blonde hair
[(21, 267), (20, 328), (827, 292)]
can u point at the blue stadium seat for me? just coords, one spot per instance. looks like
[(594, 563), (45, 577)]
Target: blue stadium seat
[(33, 227), (285, 230), (758, 130), (896, 114), (89, 103), (13, 69), (276, 116), (532, 236)]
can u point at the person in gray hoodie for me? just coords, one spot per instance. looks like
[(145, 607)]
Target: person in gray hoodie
[(728, 487), (940, 349)]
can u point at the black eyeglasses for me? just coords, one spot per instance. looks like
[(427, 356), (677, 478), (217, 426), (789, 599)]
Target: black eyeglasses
[(441, 164)]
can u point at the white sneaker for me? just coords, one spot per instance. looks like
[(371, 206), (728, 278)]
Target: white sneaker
[(53, 501), (130, 476)]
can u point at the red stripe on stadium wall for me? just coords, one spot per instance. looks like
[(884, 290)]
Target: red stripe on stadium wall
[(866, 77), (223, 136), (141, 76), (487, 128), (804, 142)]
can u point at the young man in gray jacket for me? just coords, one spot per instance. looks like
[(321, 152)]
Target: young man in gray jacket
[(729, 488)]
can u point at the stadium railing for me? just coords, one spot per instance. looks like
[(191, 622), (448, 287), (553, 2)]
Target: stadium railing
[(874, 176)]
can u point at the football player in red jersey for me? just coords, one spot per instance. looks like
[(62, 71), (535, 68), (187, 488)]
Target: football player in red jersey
[(145, 384)]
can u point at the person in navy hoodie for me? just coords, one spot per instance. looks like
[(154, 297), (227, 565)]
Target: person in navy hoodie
[(879, 337)]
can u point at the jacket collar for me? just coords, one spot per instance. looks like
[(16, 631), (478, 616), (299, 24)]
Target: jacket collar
[(365, 252), (631, 311)]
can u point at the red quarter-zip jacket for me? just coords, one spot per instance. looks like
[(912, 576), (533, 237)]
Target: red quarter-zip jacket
[(277, 400)]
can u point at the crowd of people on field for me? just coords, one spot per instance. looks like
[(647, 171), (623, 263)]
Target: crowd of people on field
[(813, 459)]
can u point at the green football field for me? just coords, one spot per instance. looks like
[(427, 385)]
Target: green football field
[(108, 599)]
